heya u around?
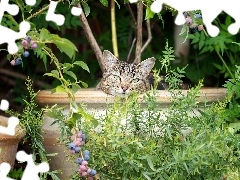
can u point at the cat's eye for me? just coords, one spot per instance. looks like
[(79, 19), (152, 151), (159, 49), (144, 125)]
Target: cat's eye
[(116, 76), (135, 80)]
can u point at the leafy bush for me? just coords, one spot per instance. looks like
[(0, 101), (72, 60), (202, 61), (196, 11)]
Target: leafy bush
[(186, 140), (31, 121)]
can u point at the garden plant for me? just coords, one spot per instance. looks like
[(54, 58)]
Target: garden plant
[(187, 140)]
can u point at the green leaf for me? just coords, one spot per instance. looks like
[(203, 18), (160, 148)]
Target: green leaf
[(70, 73), (41, 54), (149, 14), (85, 85), (218, 66), (201, 44), (191, 36), (67, 66), (104, 2), (44, 34), (195, 40), (161, 18), (146, 176), (60, 89), (202, 36), (149, 161), (236, 43), (86, 9), (64, 45), (82, 65), (94, 122), (185, 165), (55, 73), (75, 87)]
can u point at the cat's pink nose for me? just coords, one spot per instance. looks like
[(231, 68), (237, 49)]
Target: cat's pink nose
[(124, 88)]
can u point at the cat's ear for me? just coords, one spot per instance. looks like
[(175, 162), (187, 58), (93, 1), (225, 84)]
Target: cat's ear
[(109, 59), (147, 65)]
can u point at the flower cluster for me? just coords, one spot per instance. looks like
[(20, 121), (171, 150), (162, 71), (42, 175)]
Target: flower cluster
[(78, 140), (192, 24), (27, 43)]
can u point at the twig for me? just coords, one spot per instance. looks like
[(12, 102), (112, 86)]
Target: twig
[(149, 36), (91, 39), (130, 51), (114, 31), (139, 33), (39, 12), (228, 70), (21, 76), (134, 19)]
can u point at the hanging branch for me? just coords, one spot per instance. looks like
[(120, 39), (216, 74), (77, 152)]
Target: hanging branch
[(130, 51), (91, 39), (149, 36), (139, 32), (131, 12), (114, 31)]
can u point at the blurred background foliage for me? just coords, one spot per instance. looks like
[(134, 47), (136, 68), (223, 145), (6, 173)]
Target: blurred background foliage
[(205, 66)]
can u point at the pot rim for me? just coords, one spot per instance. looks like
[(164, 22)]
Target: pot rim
[(19, 132), (92, 96)]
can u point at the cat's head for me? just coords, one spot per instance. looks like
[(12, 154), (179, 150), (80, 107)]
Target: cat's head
[(121, 78)]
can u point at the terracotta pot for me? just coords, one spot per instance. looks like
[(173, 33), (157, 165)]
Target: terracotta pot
[(9, 144), (96, 101)]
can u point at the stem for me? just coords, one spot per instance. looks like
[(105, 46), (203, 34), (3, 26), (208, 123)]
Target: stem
[(139, 33), (39, 12), (225, 64), (63, 81), (114, 32), (36, 13), (91, 39), (130, 51), (149, 36)]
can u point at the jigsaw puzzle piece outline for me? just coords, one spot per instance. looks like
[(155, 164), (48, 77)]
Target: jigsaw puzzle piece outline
[(31, 171), (13, 36), (4, 170), (209, 13), (59, 19), (12, 9)]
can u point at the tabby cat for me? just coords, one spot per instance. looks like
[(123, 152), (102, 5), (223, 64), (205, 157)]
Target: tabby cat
[(121, 78)]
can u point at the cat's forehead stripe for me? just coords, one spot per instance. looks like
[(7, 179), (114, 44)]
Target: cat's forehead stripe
[(129, 69)]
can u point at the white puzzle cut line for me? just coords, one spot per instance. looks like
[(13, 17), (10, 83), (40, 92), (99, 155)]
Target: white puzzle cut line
[(76, 11), (133, 1), (4, 170), (11, 36), (12, 9), (4, 105), (210, 10), (31, 171), (51, 16), (10, 129), (12, 121), (30, 2)]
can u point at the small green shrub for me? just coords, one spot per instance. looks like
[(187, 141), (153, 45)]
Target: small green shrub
[(186, 140)]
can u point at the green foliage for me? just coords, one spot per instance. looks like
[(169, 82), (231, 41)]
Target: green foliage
[(16, 173), (186, 140), (31, 121), (104, 2), (46, 43), (222, 45)]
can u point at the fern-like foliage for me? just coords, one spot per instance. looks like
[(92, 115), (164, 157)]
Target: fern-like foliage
[(31, 119)]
